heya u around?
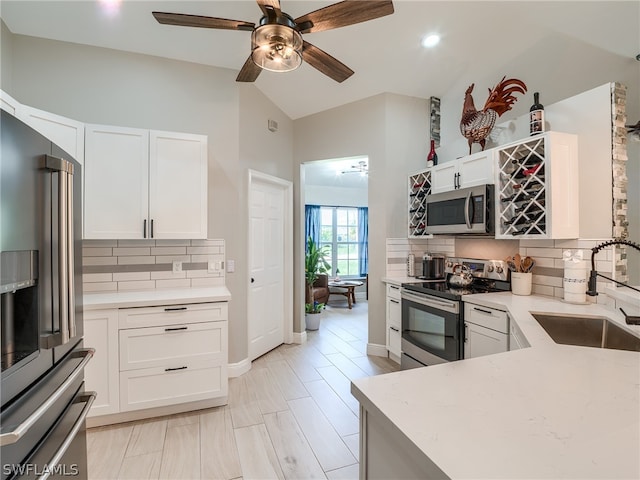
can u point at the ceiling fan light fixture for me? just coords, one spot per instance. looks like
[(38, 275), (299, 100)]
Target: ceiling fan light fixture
[(277, 48)]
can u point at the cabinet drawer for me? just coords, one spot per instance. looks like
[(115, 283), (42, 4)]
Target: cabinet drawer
[(393, 291), (486, 317), (178, 383), (178, 343), (172, 314)]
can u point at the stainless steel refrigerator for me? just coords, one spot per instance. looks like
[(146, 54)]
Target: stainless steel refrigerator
[(43, 401)]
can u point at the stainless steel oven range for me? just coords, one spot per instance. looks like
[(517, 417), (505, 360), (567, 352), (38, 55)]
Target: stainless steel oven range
[(432, 313)]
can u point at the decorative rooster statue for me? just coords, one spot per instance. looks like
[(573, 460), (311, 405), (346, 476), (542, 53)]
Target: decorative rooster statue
[(476, 125)]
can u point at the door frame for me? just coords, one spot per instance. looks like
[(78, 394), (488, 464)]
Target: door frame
[(287, 187)]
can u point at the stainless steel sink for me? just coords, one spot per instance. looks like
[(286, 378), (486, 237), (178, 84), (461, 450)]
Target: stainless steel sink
[(587, 331)]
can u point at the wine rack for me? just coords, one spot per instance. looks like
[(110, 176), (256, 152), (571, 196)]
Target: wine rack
[(537, 188), (419, 189)]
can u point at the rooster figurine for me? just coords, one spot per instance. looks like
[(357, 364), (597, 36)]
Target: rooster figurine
[(476, 125)]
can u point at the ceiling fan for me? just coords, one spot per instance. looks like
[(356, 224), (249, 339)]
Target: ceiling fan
[(276, 42)]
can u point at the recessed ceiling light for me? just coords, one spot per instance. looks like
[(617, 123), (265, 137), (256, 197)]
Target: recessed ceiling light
[(430, 40)]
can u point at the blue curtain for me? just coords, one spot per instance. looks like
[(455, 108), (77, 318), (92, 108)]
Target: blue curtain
[(312, 223), (363, 239)]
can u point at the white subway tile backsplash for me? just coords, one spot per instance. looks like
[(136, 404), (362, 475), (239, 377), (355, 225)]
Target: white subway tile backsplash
[(547, 280), (169, 250), (97, 251), (172, 258), (136, 260), (131, 251), (128, 276), (99, 261), (143, 264), (100, 287), (203, 250), (97, 277), (175, 283), (543, 252), (137, 285), (168, 275)]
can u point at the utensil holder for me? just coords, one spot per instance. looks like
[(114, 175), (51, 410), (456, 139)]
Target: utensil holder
[(521, 283)]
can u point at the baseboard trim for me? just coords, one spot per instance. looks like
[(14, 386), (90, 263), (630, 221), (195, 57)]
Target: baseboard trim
[(299, 337), (238, 368), (376, 350)]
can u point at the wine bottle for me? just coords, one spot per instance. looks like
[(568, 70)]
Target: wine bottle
[(531, 209), (538, 228), (522, 220), (420, 194), (418, 210), (526, 160), (527, 172), (519, 196), (432, 158), (536, 116)]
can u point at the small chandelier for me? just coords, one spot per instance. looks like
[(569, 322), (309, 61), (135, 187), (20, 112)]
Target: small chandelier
[(277, 47)]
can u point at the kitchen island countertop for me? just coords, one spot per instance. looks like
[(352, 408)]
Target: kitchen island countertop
[(550, 411)]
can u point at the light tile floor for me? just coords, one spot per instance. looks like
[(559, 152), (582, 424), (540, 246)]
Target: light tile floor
[(292, 416)]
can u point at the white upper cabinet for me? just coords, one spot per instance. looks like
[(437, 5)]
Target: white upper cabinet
[(144, 184), (469, 171), (178, 185), (68, 134), (116, 178)]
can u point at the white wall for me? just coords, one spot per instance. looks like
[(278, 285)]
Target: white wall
[(96, 85), (335, 196)]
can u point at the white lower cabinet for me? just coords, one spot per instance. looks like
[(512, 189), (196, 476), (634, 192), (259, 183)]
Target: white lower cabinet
[(157, 356), (394, 324), (101, 373), (486, 331)]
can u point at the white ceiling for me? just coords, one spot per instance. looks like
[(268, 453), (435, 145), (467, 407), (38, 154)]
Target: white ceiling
[(477, 39), (328, 173)]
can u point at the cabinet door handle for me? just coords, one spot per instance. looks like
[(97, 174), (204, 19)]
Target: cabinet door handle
[(175, 329), (152, 228), (393, 301), (466, 333), (174, 309), (144, 228), (174, 369), (394, 329), (488, 312)]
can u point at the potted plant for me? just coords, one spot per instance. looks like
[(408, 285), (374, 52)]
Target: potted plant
[(312, 315), (315, 263)]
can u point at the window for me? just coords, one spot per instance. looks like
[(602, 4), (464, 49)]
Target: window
[(339, 230)]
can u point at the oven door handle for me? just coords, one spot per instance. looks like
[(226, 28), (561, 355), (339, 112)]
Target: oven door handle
[(467, 213), (87, 398), (428, 301), (16, 434)]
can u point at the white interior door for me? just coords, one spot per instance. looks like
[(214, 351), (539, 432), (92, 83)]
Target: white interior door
[(270, 299)]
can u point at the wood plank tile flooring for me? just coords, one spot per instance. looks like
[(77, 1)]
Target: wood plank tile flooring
[(291, 417)]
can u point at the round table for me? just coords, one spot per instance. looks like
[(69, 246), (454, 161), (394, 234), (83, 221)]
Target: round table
[(349, 287)]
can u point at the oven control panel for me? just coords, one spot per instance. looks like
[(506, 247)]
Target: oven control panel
[(480, 268)]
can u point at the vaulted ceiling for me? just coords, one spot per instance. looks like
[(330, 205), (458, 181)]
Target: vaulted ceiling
[(477, 39)]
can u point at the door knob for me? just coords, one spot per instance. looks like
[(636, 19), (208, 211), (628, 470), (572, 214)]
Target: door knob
[(253, 280)]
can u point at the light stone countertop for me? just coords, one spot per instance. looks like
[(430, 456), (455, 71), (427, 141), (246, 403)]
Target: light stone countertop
[(625, 294), (400, 280), (145, 298), (546, 412)]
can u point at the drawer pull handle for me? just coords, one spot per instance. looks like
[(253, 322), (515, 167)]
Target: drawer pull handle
[(488, 312), (175, 309), (174, 369), (393, 301), (394, 329), (174, 329)]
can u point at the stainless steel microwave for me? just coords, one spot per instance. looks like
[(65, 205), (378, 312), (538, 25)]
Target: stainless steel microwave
[(463, 211)]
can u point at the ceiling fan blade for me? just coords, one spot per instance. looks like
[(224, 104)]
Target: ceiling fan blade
[(249, 71), (183, 20), (322, 61), (342, 14), (265, 4)]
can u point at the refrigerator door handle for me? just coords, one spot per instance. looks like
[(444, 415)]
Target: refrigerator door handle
[(87, 398), (66, 289), (16, 434)]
